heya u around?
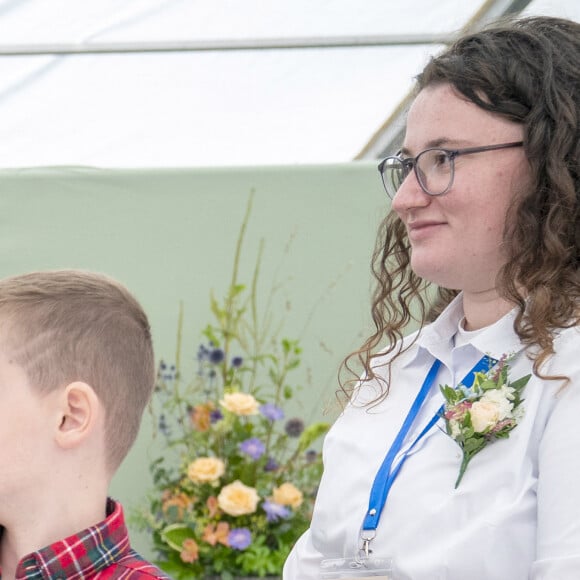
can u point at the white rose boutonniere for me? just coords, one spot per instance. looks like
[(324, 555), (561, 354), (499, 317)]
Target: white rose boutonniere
[(488, 410)]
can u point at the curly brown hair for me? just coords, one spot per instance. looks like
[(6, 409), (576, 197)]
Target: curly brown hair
[(527, 71)]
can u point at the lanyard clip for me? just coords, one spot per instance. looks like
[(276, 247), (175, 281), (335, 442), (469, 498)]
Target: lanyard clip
[(366, 537), (365, 547)]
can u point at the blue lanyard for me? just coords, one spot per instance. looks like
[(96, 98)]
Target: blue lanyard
[(386, 474)]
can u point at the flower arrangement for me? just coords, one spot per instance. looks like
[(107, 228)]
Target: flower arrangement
[(236, 480), (483, 413)]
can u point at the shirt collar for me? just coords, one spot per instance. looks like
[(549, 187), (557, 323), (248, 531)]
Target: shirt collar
[(81, 555), (496, 340)]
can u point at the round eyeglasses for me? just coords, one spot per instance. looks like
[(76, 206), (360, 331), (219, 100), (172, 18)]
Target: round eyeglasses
[(434, 168)]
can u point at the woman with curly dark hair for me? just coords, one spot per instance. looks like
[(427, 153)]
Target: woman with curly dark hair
[(456, 456)]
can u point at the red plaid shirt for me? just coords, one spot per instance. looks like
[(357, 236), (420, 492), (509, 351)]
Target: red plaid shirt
[(101, 552)]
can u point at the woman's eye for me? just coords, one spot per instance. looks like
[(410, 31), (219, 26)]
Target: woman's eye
[(408, 165), (441, 159)]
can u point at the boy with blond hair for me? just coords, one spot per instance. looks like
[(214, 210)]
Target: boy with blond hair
[(76, 372)]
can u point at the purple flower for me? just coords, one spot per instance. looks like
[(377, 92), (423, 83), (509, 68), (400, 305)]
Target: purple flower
[(239, 538), (271, 412), (215, 416), (237, 362), (216, 356), (275, 511), (252, 447), (271, 465), (294, 427)]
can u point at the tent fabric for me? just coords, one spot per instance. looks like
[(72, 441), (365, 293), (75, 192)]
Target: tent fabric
[(224, 108)]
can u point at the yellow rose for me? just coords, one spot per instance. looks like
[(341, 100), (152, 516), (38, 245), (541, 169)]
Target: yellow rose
[(287, 494), (484, 414), (206, 470), (237, 499), (240, 404)]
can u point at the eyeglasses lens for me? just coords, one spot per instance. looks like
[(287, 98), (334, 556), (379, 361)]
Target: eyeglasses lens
[(393, 174), (435, 171)]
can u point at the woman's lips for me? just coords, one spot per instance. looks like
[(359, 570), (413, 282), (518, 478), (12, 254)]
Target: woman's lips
[(422, 229)]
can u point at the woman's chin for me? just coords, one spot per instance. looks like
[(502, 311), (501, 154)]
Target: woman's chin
[(428, 269)]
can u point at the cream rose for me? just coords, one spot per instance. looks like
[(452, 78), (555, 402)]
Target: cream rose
[(287, 494), (484, 414), (237, 499), (240, 404), (206, 470)]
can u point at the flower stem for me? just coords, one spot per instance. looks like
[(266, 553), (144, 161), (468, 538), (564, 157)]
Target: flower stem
[(181, 406), (230, 318), (464, 462)]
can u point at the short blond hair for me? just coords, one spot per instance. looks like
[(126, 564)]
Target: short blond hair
[(71, 325)]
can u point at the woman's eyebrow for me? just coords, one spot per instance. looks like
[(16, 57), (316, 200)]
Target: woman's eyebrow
[(438, 142)]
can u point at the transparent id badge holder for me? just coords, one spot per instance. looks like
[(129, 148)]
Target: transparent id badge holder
[(357, 569)]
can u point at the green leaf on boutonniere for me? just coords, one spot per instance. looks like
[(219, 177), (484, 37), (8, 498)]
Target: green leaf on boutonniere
[(520, 383)]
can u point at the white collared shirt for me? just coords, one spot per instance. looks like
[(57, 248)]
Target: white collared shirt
[(516, 513)]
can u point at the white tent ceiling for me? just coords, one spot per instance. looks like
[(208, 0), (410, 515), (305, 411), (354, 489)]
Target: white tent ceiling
[(131, 83)]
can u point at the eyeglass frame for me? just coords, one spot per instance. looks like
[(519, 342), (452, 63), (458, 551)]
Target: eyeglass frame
[(409, 163)]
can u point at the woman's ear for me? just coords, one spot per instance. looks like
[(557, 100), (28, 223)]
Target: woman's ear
[(79, 410)]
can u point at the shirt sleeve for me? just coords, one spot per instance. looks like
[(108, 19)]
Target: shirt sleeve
[(304, 560), (558, 532)]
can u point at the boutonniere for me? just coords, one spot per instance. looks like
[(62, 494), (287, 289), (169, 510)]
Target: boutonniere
[(486, 411)]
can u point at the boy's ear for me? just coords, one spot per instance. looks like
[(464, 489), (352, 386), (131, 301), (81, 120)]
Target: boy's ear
[(79, 409)]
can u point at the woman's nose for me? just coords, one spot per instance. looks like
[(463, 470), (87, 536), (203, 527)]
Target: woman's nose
[(410, 195)]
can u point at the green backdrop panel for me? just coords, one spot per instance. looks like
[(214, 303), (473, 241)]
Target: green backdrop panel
[(170, 235)]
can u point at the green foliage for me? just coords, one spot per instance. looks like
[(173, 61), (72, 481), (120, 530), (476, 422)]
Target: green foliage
[(175, 534), (311, 434), (224, 430)]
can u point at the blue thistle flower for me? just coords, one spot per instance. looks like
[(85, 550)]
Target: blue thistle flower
[(215, 416), (294, 427), (311, 456), (163, 427), (216, 356)]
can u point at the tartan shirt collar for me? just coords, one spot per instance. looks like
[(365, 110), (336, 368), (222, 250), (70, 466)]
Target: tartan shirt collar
[(82, 555)]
